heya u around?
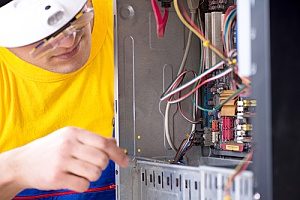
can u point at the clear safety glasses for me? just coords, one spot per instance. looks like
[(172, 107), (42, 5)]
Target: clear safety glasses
[(73, 29)]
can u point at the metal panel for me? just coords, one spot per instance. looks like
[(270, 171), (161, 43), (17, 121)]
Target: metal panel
[(171, 182), (208, 30), (146, 65), (261, 87), (216, 33)]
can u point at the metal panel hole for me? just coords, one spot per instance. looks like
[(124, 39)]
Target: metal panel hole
[(177, 182), (146, 180), (168, 181), (180, 182), (162, 180), (171, 181), (186, 184), (150, 178), (223, 183), (153, 178), (159, 180), (196, 185), (143, 177), (216, 182), (210, 181)]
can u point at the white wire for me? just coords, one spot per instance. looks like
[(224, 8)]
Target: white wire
[(181, 68), (211, 79), (166, 125), (187, 48), (192, 81)]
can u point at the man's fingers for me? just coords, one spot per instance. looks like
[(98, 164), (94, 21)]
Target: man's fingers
[(75, 183), (83, 169), (116, 154), (91, 139), (92, 155), (109, 146)]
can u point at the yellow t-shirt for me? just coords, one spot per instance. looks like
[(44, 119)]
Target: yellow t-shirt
[(35, 102)]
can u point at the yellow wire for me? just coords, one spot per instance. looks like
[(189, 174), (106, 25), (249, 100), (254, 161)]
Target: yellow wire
[(206, 42)]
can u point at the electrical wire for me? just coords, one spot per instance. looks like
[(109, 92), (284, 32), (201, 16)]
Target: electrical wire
[(193, 27), (192, 121), (239, 91), (216, 108), (200, 85), (175, 84), (166, 95), (180, 75), (228, 28), (202, 54), (238, 170), (187, 48), (161, 21), (166, 125), (198, 82)]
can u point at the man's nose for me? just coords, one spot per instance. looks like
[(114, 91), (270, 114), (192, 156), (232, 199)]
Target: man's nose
[(68, 41)]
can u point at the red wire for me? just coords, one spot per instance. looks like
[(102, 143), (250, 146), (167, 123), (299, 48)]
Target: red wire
[(200, 84), (161, 21), (230, 8)]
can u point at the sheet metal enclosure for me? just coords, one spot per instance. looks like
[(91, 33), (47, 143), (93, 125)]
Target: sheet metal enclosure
[(145, 66)]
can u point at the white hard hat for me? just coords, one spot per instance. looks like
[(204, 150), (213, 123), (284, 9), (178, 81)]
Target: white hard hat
[(24, 22)]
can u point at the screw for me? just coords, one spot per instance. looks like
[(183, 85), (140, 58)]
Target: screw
[(256, 196)]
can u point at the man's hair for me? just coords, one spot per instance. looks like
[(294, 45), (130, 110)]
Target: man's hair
[(4, 2)]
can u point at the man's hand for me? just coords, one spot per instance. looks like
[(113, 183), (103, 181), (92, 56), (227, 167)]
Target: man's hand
[(69, 158)]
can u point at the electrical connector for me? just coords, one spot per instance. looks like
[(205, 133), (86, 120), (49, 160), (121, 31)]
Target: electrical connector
[(166, 3)]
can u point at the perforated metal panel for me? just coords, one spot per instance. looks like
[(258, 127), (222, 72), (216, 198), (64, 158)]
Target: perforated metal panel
[(160, 181)]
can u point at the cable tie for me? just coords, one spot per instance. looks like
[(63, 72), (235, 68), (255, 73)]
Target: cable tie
[(206, 43)]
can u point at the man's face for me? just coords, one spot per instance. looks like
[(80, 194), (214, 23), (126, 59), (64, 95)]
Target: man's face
[(71, 54)]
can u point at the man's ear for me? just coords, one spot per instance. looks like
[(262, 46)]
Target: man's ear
[(89, 3)]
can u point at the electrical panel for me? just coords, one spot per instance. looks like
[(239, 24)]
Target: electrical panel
[(184, 103)]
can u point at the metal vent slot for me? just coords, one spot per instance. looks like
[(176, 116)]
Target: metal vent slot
[(202, 183)]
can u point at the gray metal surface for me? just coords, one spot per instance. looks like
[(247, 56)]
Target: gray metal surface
[(146, 65), (155, 180), (262, 91), (216, 24)]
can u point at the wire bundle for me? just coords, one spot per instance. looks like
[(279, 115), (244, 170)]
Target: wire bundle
[(161, 21), (228, 27), (175, 94)]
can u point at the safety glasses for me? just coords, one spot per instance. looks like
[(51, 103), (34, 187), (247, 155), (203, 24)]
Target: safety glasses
[(73, 29)]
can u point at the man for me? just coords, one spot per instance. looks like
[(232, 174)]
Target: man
[(56, 106)]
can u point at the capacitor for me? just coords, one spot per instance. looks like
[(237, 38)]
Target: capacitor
[(214, 125)]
